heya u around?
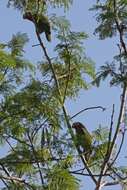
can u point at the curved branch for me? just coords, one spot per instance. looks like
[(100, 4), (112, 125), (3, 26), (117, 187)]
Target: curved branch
[(89, 108)]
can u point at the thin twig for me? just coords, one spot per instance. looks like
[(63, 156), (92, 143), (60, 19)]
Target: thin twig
[(89, 108), (12, 148), (6, 171), (38, 128), (17, 139), (36, 159), (112, 183), (14, 178), (119, 119), (84, 174), (110, 131), (4, 182), (119, 28), (119, 150), (35, 45)]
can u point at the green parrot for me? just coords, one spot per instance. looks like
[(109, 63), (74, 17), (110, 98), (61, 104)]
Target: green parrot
[(83, 139), (41, 22)]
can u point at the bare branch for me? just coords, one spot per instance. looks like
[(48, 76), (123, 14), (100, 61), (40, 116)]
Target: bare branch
[(110, 131), (17, 179), (112, 183), (119, 150), (89, 108), (84, 174), (35, 131)]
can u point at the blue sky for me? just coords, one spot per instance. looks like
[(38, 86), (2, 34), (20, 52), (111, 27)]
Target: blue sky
[(100, 51)]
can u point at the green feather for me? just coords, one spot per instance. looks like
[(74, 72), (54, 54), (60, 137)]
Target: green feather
[(83, 139)]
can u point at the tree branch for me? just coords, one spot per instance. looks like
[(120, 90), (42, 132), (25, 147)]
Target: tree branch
[(89, 108), (36, 159)]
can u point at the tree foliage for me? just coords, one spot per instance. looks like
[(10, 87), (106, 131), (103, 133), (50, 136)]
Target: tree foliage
[(44, 151)]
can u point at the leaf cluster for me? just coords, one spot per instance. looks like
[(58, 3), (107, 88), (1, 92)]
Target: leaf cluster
[(39, 5), (71, 66), (13, 65), (108, 13)]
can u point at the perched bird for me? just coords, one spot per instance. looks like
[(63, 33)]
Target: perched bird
[(41, 23), (83, 139)]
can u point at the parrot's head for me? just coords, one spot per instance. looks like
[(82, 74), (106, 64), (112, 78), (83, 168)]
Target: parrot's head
[(80, 128), (77, 125), (28, 15)]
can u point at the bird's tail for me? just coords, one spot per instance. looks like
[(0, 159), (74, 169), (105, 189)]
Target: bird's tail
[(48, 36)]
